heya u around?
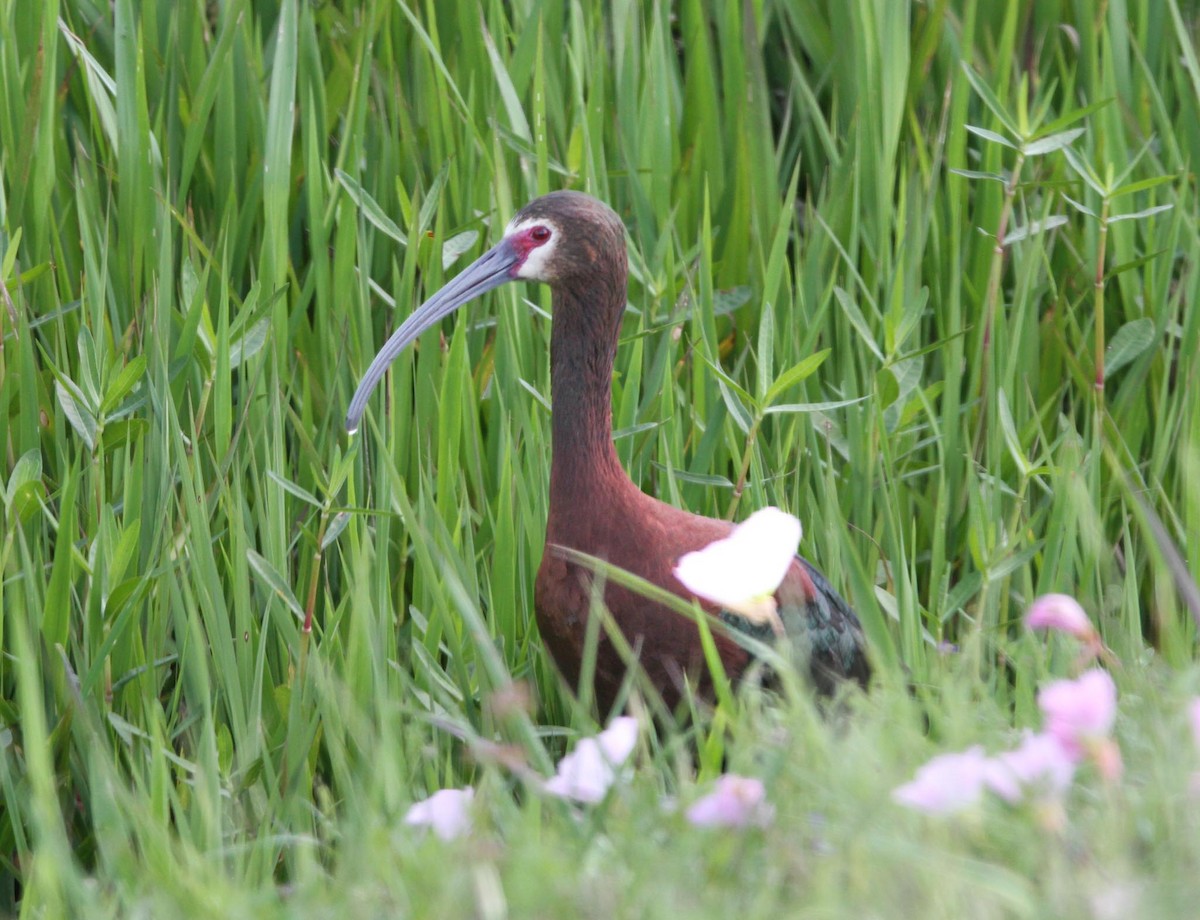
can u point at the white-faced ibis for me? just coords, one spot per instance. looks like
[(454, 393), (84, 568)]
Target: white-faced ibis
[(576, 244)]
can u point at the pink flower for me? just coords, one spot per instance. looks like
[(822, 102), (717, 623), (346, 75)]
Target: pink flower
[(1079, 712), (1063, 613), (447, 812), (947, 783), (737, 801), (1039, 764), (742, 571), (1194, 714), (587, 774), (1107, 757)]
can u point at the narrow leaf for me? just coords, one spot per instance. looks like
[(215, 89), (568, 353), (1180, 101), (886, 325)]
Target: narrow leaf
[(269, 576), (454, 247), (56, 611), (1129, 343), (800, 408), (803, 369), (857, 320), (1138, 215), (1034, 228), (984, 92), (1075, 115), (370, 207), (976, 174), (292, 489), (517, 122), (1011, 439), (736, 407), (1078, 206), (250, 343), (991, 136), (1052, 142), (335, 528), (27, 470), (1133, 263), (1142, 185), (697, 479), (727, 301), (130, 374), (1084, 170), (77, 414)]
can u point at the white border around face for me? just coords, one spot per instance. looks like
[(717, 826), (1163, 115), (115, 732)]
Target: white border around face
[(534, 266)]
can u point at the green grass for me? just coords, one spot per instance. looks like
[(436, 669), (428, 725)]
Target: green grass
[(211, 215)]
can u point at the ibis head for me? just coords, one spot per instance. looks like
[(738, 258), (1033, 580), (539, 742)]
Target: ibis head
[(566, 239)]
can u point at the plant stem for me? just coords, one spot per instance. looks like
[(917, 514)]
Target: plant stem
[(993, 296)]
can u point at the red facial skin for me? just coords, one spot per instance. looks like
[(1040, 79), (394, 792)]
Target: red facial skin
[(526, 242)]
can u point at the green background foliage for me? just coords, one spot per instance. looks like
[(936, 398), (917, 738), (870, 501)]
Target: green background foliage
[(920, 273)]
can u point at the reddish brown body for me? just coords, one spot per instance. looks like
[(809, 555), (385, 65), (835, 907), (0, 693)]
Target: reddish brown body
[(596, 509)]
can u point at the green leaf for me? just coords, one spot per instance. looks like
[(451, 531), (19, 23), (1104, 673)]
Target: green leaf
[(10, 255), (1011, 439), (991, 136), (741, 415), (1034, 228), (125, 551), (1084, 170), (976, 174), (801, 370), (911, 311), (857, 320), (292, 489), (454, 247), (517, 122), (725, 302), (77, 414), (130, 374), (1081, 208), (23, 483), (1129, 343), (801, 408), (1139, 215), (56, 609), (1010, 564), (724, 378), (766, 350), (26, 470), (249, 343), (1142, 185), (432, 199), (634, 430), (370, 207), (887, 387), (1052, 142), (336, 525), (87, 377), (984, 92), (1133, 263), (707, 480), (1073, 116), (269, 576)]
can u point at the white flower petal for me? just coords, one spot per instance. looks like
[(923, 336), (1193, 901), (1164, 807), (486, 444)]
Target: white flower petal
[(447, 812), (747, 565), (618, 740), (588, 772)]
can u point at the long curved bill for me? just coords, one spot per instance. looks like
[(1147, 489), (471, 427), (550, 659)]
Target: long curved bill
[(490, 270)]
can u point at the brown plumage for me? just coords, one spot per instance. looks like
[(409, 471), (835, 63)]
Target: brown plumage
[(576, 244)]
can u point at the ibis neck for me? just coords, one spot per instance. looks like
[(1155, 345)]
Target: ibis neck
[(583, 344)]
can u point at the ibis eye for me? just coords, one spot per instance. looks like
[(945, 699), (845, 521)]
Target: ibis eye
[(540, 234)]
